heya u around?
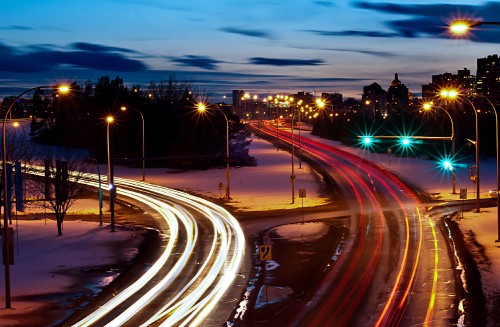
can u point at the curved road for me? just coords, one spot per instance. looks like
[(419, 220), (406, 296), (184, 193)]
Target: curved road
[(395, 270), (202, 251)]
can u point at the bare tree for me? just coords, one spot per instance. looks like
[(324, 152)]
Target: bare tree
[(61, 185)]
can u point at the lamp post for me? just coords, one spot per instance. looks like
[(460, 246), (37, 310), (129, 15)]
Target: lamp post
[(300, 140), (292, 176), (111, 184), (202, 108), (276, 106), (429, 106), (453, 94), (497, 173), (461, 27), (6, 232), (124, 108)]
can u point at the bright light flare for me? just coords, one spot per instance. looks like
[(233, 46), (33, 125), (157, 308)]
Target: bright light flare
[(460, 27), (201, 107), (448, 94), (64, 88), (110, 119), (427, 106), (406, 141), (447, 164)]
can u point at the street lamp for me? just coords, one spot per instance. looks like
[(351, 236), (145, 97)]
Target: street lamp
[(428, 106), (111, 184), (6, 230), (202, 108), (452, 95), (124, 108), (292, 176), (300, 128), (462, 26), (497, 173)]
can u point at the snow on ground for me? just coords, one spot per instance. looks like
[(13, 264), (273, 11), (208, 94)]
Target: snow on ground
[(266, 186)]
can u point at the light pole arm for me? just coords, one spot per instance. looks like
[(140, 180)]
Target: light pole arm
[(478, 204), (5, 211)]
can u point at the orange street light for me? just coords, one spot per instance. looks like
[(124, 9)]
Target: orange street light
[(202, 108), (111, 186), (452, 95), (6, 201), (124, 108), (462, 26)]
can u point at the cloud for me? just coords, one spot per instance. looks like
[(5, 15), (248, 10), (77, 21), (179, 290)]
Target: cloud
[(354, 33), (247, 32), (16, 28), (324, 3), (430, 20), (98, 48), (285, 62), (433, 19), (197, 61), (46, 58)]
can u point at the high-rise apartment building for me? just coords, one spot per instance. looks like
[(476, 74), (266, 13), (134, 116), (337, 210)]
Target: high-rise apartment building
[(488, 78)]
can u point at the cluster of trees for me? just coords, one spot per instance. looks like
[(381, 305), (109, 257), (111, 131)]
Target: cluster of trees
[(175, 132), (68, 129)]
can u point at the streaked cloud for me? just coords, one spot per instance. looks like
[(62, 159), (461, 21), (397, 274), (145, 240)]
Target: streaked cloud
[(248, 32), (354, 33), (285, 62), (79, 55), (16, 28), (196, 61), (433, 19)]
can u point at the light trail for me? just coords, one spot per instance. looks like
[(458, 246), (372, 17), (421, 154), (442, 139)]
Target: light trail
[(201, 293), (398, 298)]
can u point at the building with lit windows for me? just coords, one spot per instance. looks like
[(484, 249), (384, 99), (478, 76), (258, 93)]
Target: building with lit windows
[(488, 78)]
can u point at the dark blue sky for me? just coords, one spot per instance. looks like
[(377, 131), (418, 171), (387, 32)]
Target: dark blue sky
[(262, 46)]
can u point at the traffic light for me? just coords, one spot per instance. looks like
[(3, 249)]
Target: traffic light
[(366, 141), (405, 141), (448, 165)]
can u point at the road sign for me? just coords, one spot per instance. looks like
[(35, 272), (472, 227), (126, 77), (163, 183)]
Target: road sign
[(265, 252), (463, 193), (302, 192)]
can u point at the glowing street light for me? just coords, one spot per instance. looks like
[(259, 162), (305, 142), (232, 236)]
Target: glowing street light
[(124, 108), (111, 184), (202, 108), (452, 95), (463, 26), (497, 165), (6, 230)]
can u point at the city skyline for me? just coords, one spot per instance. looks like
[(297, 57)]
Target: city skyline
[(269, 47)]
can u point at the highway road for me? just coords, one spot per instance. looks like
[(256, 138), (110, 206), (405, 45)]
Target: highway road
[(203, 247), (395, 269)]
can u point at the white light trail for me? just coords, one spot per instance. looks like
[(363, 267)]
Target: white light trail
[(198, 297)]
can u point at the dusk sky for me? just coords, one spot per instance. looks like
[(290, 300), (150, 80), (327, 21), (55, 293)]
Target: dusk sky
[(260, 46)]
